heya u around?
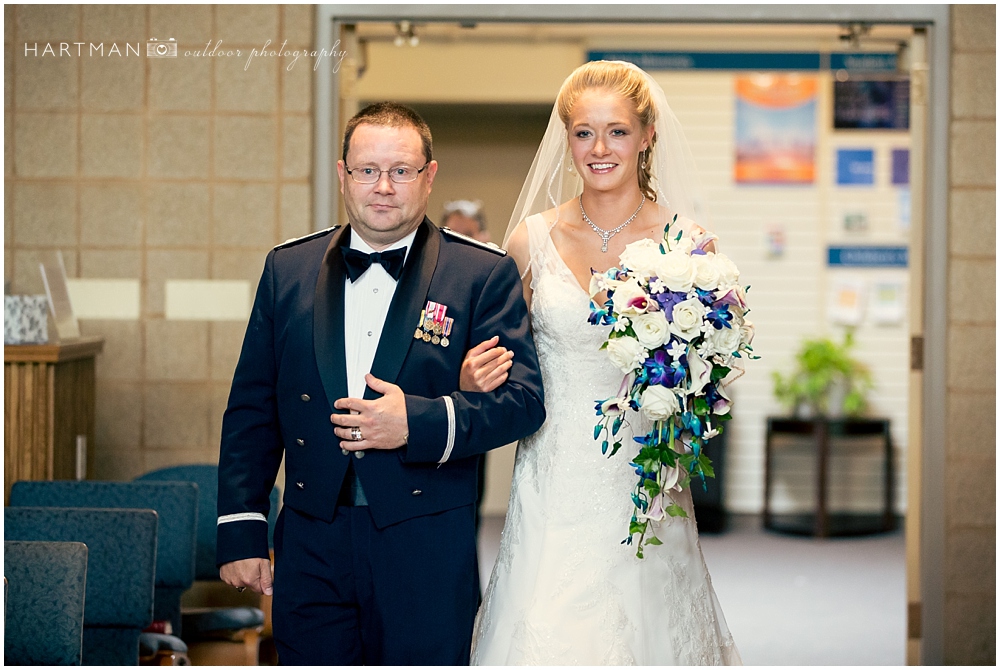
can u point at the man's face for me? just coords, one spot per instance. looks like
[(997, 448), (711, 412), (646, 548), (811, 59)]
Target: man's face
[(465, 225), (384, 212)]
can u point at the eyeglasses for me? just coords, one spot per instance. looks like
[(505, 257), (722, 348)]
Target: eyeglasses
[(370, 174)]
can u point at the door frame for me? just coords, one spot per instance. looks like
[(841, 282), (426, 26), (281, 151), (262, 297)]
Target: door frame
[(927, 622)]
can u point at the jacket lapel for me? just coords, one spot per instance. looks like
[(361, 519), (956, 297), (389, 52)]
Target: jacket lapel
[(404, 310), (328, 319)]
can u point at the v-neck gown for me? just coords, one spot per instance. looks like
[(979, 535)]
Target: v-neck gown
[(564, 590)]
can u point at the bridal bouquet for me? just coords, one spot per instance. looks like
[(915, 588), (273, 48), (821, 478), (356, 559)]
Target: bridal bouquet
[(679, 322)]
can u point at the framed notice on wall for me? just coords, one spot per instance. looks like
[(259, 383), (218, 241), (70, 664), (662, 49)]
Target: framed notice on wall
[(871, 104), (775, 129)]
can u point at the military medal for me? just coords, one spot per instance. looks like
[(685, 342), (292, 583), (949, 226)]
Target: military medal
[(434, 325), (448, 323)]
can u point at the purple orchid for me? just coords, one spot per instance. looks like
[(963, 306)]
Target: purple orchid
[(667, 300)]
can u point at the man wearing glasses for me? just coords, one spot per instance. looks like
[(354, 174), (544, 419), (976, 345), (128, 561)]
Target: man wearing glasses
[(351, 370)]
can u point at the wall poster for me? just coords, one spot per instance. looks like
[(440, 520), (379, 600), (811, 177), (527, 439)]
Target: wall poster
[(776, 129)]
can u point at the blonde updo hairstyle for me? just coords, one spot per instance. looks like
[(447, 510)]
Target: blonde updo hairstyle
[(616, 78)]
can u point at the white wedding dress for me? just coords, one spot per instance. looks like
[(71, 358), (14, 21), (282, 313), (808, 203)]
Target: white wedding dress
[(564, 591)]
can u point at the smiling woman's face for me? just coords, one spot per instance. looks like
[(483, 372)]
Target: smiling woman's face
[(606, 138)]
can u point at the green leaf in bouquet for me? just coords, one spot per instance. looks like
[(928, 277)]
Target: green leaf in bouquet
[(668, 457), (652, 488), (676, 510), (615, 447), (705, 463), (719, 372), (655, 541), (723, 417), (701, 407), (636, 527), (604, 346)]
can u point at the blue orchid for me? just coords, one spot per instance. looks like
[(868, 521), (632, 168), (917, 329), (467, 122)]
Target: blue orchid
[(720, 316), (705, 297), (657, 368), (600, 317)]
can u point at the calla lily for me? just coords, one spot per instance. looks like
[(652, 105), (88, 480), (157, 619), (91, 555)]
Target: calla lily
[(655, 511), (671, 479), (734, 296), (701, 372), (722, 403)]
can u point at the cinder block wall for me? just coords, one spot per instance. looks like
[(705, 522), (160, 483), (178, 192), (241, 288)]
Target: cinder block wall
[(155, 169), (970, 490)]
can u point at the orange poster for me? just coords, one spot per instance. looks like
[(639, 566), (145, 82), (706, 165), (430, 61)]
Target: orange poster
[(775, 129)]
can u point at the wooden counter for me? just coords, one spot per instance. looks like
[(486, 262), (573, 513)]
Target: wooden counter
[(48, 408)]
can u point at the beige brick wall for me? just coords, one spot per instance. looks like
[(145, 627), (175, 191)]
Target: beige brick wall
[(155, 169), (970, 482)]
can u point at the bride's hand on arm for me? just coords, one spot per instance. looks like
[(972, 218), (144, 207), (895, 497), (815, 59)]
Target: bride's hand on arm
[(485, 367)]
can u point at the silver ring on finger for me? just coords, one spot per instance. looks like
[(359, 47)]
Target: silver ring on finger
[(356, 433)]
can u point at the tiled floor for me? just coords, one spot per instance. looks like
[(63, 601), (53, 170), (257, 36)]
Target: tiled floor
[(796, 600)]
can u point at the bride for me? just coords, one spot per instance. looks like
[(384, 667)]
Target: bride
[(612, 168)]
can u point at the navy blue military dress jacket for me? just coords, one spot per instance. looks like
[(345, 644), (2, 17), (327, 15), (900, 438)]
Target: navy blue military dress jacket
[(292, 369)]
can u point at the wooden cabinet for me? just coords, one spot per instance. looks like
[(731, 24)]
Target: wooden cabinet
[(48, 409)]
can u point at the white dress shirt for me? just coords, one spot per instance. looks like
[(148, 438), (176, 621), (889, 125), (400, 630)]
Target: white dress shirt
[(366, 304)]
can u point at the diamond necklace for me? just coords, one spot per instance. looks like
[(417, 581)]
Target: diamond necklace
[(608, 234)]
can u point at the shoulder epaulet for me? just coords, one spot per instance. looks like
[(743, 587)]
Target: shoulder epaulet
[(488, 246), (305, 238)]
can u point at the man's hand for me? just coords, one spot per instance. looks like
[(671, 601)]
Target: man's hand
[(485, 367), (252, 573), (382, 422)]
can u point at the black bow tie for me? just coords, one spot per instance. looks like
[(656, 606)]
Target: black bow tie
[(358, 262)]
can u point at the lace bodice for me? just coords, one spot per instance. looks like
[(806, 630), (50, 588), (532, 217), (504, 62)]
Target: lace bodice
[(564, 589)]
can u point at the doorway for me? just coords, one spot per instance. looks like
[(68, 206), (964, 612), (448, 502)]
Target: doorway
[(557, 48)]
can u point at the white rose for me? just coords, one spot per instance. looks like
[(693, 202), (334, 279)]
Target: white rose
[(707, 273), (747, 331), (626, 353), (723, 340), (626, 293), (688, 318), (641, 257), (659, 403), (651, 329), (727, 269), (676, 270)]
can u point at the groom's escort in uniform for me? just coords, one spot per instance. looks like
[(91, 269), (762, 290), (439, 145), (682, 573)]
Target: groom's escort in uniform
[(375, 555)]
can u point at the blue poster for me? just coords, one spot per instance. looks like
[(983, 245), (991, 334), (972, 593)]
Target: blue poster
[(855, 167)]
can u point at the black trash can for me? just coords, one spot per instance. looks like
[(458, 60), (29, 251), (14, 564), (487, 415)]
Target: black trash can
[(709, 501)]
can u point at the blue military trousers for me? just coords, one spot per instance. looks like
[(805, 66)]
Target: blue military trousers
[(348, 593)]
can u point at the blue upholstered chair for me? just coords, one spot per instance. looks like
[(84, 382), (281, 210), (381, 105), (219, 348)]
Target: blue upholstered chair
[(176, 505), (225, 615), (207, 479), (121, 560), (47, 583)]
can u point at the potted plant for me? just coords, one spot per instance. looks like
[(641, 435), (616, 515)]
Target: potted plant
[(828, 381)]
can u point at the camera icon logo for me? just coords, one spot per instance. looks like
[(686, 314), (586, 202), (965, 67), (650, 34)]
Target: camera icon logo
[(156, 49)]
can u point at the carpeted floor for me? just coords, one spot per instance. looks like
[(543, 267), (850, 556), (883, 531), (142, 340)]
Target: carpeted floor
[(796, 600)]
